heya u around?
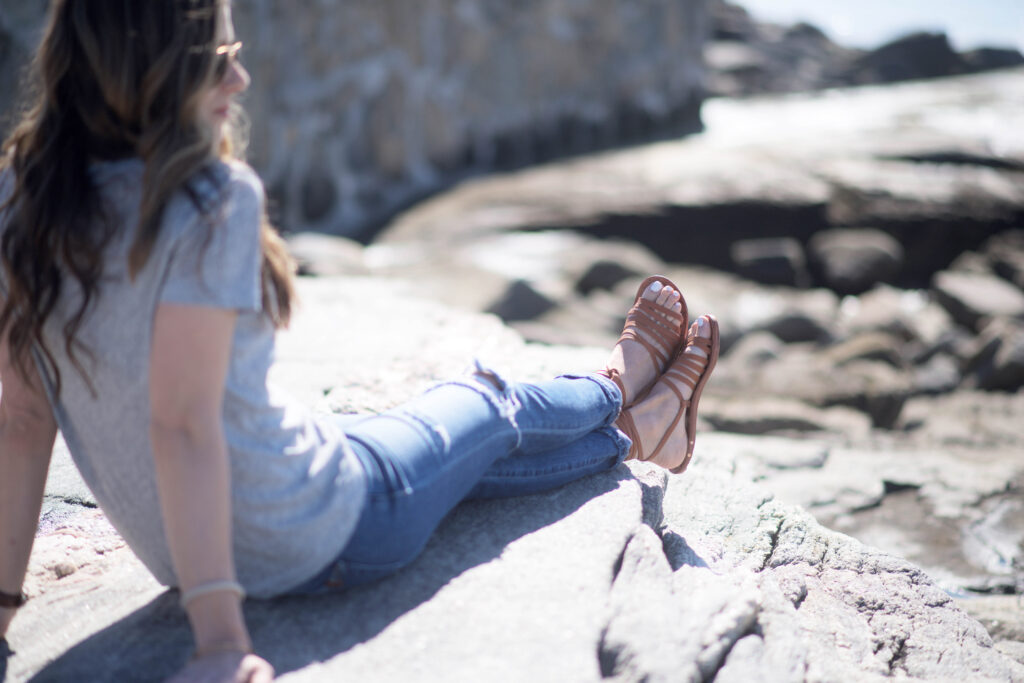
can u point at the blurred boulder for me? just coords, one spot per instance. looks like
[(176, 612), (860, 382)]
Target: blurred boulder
[(971, 262), (910, 315), (757, 415), (794, 325), (1005, 251), (915, 56), (521, 302), (771, 261), (604, 275), (972, 298), (938, 375), (792, 315), (731, 22), (987, 58), (880, 346), (851, 261), (935, 211), (872, 387), (754, 349), (604, 264), (999, 361), (746, 57)]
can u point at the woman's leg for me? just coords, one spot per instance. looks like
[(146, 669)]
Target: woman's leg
[(523, 474), (424, 457)]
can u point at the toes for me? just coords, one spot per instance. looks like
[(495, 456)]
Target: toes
[(703, 327), (664, 295), (653, 291), (700, 328)]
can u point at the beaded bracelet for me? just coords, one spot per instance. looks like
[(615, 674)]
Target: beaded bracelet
[(211, 587)]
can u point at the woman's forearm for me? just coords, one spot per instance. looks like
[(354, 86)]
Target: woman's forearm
[(193, 479), (24, 459)]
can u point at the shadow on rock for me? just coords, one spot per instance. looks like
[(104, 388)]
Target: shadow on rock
[(295, 632)]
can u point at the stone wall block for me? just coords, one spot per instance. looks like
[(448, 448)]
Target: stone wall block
[(413, 94)]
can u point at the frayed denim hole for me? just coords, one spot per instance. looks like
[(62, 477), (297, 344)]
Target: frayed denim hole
[(491, 376), (500, 394)]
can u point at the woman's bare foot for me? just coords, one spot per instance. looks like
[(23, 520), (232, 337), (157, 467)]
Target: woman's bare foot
[(637, 367), (653, 416)]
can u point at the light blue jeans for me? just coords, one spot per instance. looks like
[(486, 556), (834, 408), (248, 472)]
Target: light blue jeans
[(481, 437)]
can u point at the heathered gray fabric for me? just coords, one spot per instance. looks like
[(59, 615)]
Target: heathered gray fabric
[(296, 487)]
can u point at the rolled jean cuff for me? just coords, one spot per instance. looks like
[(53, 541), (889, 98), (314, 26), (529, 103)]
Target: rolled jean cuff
[(610, 388)]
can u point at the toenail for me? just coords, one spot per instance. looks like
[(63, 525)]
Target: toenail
[(656, 286)]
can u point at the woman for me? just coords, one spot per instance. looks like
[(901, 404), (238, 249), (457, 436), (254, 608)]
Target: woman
[(140, 290)]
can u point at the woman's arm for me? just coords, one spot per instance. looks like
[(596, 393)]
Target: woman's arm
[(27, 433), (188, 366)]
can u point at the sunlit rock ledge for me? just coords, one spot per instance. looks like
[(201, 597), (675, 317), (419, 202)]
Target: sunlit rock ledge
[(633, 575)]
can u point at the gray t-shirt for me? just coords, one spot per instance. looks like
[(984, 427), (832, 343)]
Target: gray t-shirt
[(297, 490)]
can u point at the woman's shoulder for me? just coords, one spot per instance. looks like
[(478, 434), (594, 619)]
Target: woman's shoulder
[(216, 191)]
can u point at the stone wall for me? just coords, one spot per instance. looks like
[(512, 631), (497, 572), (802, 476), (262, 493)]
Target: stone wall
[(360, 106)]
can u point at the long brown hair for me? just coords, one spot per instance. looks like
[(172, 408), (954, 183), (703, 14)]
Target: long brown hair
[(112, 79)]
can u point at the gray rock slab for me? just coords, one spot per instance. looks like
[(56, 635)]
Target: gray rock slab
[(633, 575), (1001, 615), (975, 297), (852, 261)]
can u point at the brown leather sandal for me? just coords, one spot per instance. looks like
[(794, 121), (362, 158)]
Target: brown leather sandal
[(692, 371), (663, 325)]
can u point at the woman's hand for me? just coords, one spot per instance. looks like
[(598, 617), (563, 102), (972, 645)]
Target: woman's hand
[(226, 667)]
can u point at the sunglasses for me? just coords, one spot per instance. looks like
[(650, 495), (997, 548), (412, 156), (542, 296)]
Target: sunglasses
[(224, 57)]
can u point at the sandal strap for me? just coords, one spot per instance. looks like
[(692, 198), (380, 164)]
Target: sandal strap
[(687, 370), (658, 322), (625, 423), (654, 327)]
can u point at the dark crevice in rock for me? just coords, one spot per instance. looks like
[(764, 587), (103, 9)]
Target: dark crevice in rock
[(754, 629), (898, 486), (899, 657), (617, 567), (705, 234), (773, 538), (607, 656), (678, 551), (78, 501), (652, 502), (799, 598), (957, 158)]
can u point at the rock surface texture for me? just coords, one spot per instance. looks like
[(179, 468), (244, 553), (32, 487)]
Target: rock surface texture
[(633, 575), (894, 414)]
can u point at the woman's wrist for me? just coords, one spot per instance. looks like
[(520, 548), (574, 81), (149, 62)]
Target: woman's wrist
[(218, 624), (6, 616)]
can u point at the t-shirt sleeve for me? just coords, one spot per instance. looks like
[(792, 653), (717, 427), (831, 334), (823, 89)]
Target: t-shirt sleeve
[(216, 261)]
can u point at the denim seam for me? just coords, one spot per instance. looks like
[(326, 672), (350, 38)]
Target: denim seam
[(422, 483)]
